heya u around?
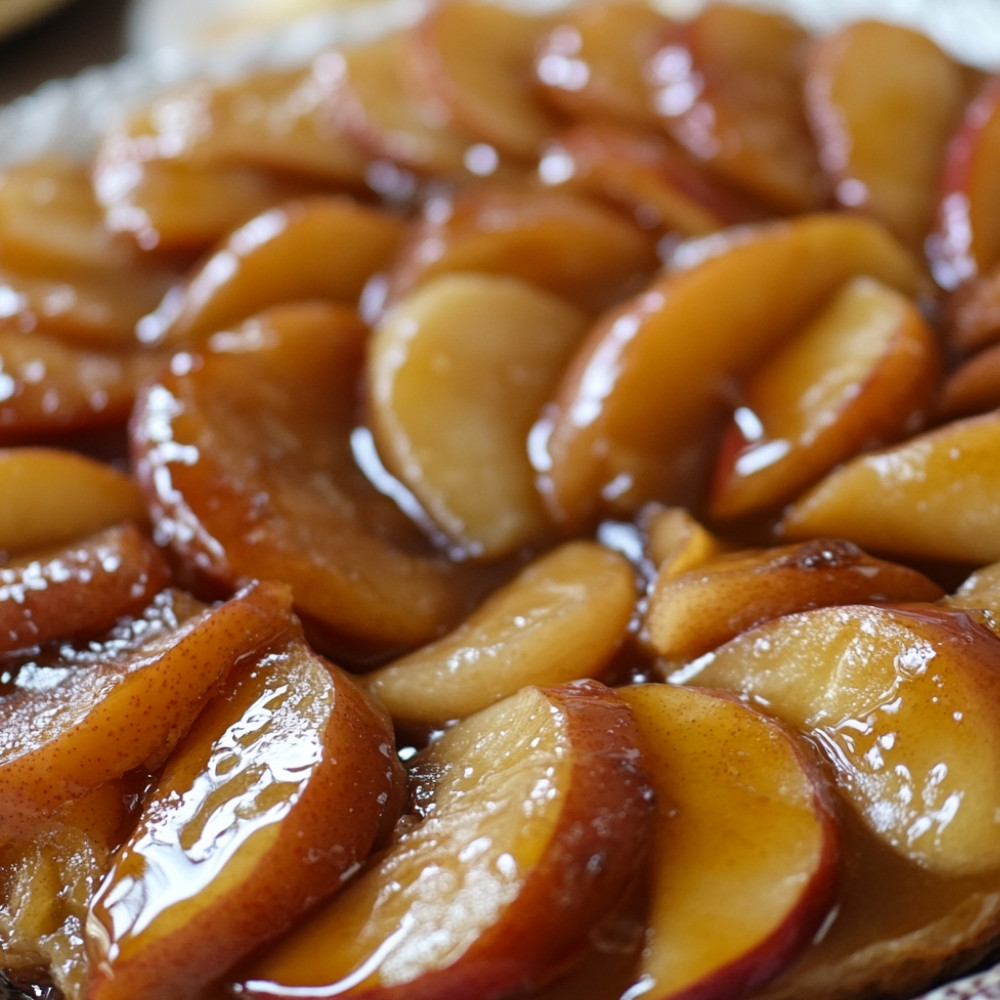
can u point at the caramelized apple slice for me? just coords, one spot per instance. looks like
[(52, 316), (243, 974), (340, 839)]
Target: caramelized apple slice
[(49, 497), (904, 702), (620, 432), (966, 242), (83, 589), (561, 619), (451, 412), (745, 844), (389, 114), (591, 63), (246, 462), (691, 613), (302, 770), (973, 387), (931, 497), (488, 89), (567, 244), (861, 373), (728, 85), (531, 817), (125, 702), (316, 248), (645, 173), (675, 541), (874, 89)]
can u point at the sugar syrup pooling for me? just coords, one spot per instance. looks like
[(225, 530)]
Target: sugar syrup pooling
[(611, 496)]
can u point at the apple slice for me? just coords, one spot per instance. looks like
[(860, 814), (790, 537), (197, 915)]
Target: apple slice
[(675, 541), (971, 314), (728, 86), (873, 89), (34, 514), (567, 244), (862, 373), (126, 701), (561, 619), (489, 90), (591, 63), (375, 100), (933, 496), (745, 847), (645, 173), (966, 241), (451, 412), (83, 589), (973, 386), (531, 819), (904, 701), (620, 429), (693, 612), (324, 247), (246, 461), (301, 770)]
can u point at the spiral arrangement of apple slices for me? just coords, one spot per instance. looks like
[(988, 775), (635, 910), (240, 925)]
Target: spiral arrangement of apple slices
[(509, 508)]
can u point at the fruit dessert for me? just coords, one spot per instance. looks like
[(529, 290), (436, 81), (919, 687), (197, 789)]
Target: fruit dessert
[(508, 507)]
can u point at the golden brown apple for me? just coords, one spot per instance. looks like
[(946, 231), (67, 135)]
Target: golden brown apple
[(620, 428), (973, 386), (488, 90), (245, 458), (271, 802), (99, 711), (457, 374), (81, 589), (560, 619), (874, 88), (675, 541), (904, 701), (728, 87), (531, 820), (325, 247), (568, 244), (91, 496), (690, 613), (745, 846), (934, 496), (862, 373)]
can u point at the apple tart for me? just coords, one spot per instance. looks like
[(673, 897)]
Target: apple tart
[(508, 507)]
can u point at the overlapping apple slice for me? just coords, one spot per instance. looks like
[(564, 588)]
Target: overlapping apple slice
[(904, 701), (745, 845), (862, 373), (561, 619), (619, 432), (531, 820), (872, 89), (271, 802), (933, 496)]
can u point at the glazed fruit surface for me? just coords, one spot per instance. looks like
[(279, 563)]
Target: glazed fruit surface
[(509, 508)]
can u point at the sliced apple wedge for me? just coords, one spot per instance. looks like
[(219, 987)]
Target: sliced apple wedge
[(568, 244), (619, 430), (905, 702), (123, 703), (531, 820), (451, 412), (691, 613), (862, 373), (934, 496), (302, 769), (325, 247), (91, 496), (82, 589), (872, 89), (246, 462), (973, 386), (966, 240), (745, 845), (591, 64), (728, 87), (675, 541), (561, 619), (491, 90)]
